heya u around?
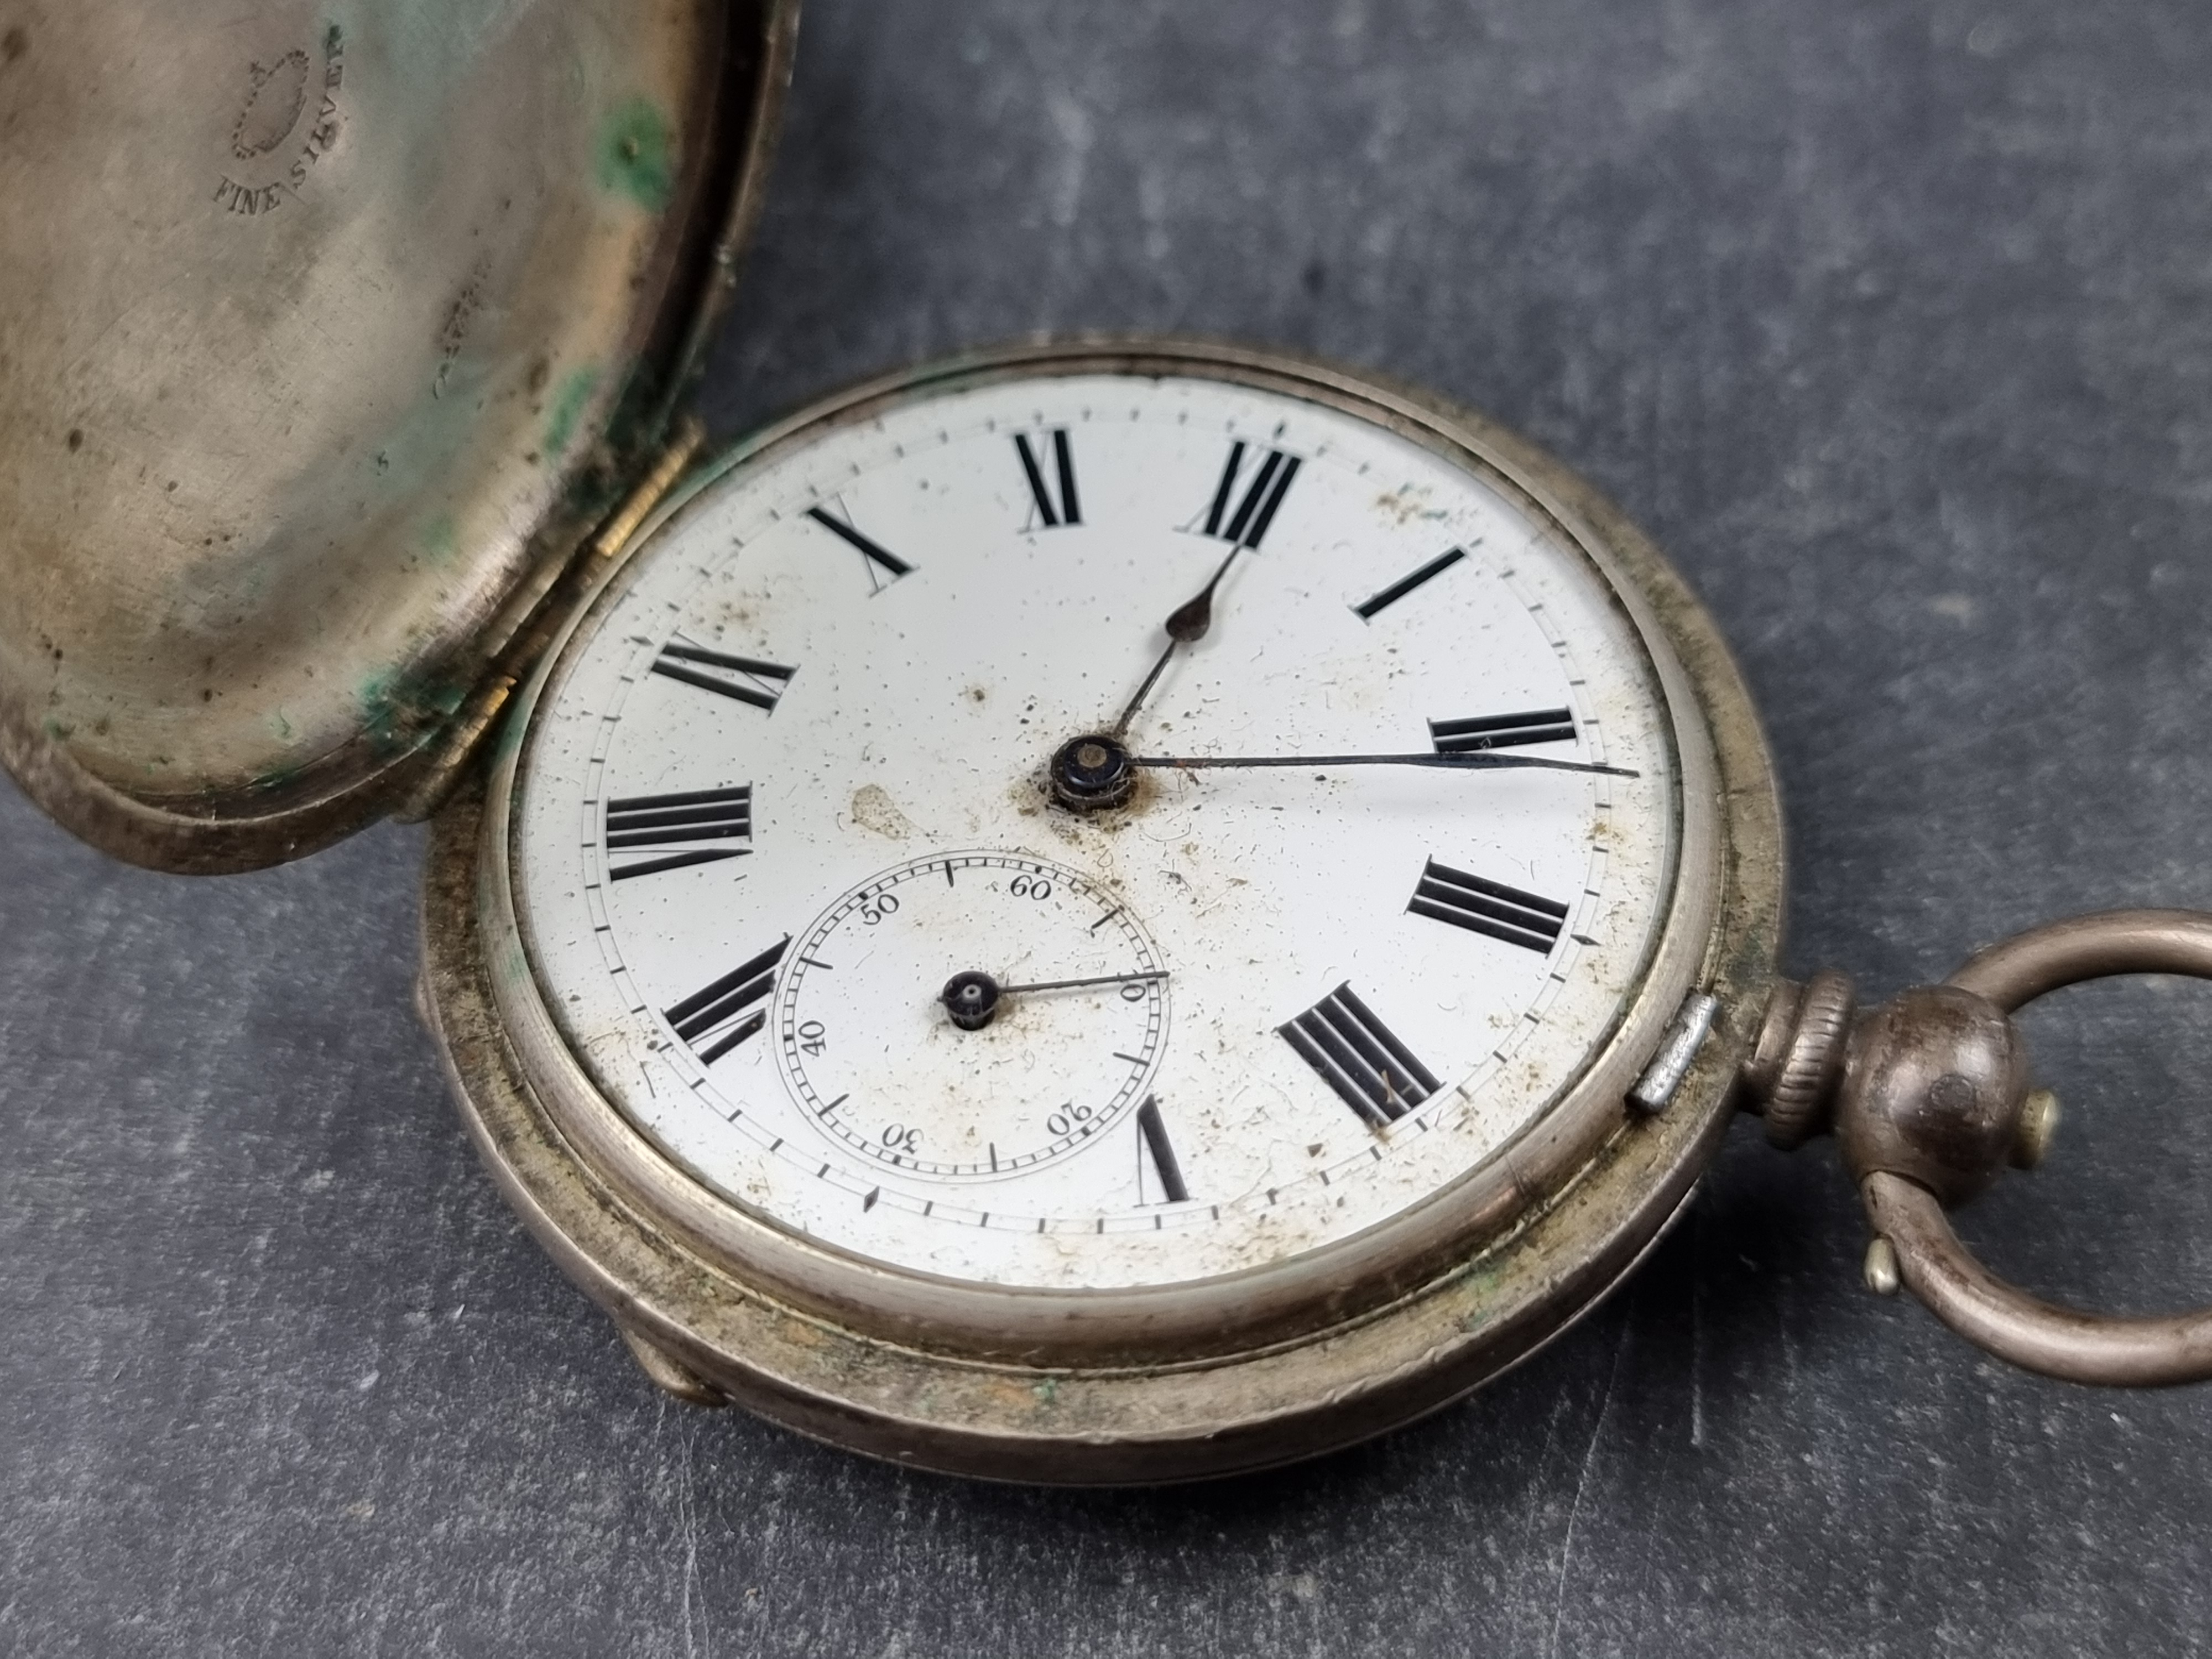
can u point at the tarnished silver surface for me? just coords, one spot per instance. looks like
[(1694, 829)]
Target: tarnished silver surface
[(322, 327), (1932, 1090), (1075, 1387), (1933, 1104), (2015, 971), (2037, 1336), (669, 1373), (465, 735), (1799, 1057)]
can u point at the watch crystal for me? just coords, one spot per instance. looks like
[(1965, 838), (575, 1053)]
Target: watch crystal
[(832, 870)]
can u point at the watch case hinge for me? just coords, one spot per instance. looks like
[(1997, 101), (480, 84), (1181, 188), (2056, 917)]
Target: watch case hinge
[(542, 603)]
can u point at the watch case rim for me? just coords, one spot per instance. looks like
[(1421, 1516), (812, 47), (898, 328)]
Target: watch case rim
[(1622, 1184)]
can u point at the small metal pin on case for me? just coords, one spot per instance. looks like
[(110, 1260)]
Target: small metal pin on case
[(1677, 1053)]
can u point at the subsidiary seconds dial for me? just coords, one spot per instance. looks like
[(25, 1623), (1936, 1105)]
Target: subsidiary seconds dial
[(972, 1014)]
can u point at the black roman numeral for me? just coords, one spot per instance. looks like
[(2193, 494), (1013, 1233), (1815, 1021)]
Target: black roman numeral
[(707, 1016), (1365, 609), (680, 823), (1152, 1133), (1066, 510), (1488, 907), (1356, 1054), (1256, 510), (874, 555), (759, 684), (1502, 730)]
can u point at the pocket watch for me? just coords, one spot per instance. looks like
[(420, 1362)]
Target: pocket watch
[(1103, 910)]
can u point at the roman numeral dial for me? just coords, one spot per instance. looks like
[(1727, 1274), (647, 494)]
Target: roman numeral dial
[(1243, 518), (884, 566), (747, 680), (1367, 609), (1054, 508), (647, 834), (1480, 731), (1489, 908), (1358, 1057), (1159, 1153), (716, 1015)]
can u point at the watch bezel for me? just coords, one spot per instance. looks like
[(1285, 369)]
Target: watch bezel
[(1589, 1216)]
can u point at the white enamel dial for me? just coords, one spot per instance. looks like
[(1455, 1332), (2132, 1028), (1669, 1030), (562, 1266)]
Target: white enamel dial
[(788, 782)]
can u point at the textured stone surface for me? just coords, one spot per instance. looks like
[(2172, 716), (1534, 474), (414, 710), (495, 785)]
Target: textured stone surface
[(1888, 318)]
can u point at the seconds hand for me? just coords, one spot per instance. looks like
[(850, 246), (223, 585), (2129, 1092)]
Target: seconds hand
[(971, 999), (1187, 622), (1097, 979)]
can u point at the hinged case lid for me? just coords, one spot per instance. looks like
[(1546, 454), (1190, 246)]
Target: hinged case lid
[(324, 328)]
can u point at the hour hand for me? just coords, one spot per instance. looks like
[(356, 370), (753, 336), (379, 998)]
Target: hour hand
[(1477, 761), (1186, 624)]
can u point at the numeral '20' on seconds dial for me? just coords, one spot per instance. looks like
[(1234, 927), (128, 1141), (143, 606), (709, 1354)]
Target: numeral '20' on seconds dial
[(831, 939)]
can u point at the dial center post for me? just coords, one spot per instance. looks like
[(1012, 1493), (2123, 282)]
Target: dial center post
[(1092, 772), (970, 999)]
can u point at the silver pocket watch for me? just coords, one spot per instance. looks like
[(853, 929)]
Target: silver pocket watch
[(1104, 911)]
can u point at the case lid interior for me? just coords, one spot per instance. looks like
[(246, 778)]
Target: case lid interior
[(322, 326)]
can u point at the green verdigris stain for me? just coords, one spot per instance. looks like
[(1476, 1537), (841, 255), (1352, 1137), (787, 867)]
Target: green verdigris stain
[(1483, 1279), (637, 155), (280, 777), (441, 541), (395, 712), (1047, 1391), (382, 713), (569, 403)]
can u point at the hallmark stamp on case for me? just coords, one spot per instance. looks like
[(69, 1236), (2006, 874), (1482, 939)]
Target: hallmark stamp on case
[(270, 157)]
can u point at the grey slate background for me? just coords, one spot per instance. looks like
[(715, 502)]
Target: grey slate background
[(1888, 318)]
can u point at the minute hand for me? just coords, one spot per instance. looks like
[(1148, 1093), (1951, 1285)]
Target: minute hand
[(1479, 761)]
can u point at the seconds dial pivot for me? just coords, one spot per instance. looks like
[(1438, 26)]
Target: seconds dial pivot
[(972, 1014)]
